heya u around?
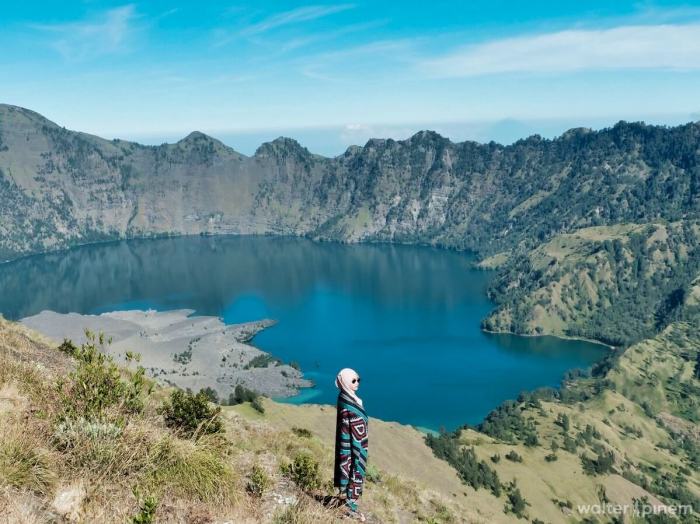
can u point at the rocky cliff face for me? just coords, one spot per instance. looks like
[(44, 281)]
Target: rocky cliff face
[(60, 188)]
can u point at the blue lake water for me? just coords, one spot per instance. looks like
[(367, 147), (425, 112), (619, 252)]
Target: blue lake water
[(405, 317)]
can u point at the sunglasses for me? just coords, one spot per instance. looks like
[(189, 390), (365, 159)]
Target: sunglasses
[(356, 380)]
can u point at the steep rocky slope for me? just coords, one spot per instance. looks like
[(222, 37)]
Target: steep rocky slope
[(60, 188)]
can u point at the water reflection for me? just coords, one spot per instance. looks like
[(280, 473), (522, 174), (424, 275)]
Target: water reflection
[(406, 317)]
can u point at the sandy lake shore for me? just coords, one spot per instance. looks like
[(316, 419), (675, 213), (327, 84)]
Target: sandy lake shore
[(183, 350)]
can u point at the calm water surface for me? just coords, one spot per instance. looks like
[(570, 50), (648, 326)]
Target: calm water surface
[(407, 318)]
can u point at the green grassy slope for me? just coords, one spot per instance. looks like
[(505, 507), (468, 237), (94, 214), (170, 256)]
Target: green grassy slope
[(618, 284), (629, 432)]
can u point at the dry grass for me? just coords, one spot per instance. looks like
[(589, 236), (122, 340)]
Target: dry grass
[(100, 469)]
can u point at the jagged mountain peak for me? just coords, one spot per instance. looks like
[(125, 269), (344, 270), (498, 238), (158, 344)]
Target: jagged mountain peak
[(427, 135), (281, 145)]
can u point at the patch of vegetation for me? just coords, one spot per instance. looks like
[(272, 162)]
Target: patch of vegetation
[(301, 432), (474, 472), (513, 456), (242, 394), (303, 471), (261, 361), (147, 511), (97, 389), (186, 356), (23, 466), (506, 422), (211, 394), (516, 503), (602, 463), (258, 482), (191, 414)]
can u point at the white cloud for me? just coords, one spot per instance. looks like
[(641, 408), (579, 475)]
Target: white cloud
[(301, 14), (106, 33), (664, 46)]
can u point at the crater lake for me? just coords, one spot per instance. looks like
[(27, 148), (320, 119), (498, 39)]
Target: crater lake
[(407, 318)]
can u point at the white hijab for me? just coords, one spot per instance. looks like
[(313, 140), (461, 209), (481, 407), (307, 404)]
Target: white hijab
[(343, 381)]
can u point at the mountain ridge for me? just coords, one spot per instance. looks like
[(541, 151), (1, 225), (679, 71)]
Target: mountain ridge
[(61, 188)]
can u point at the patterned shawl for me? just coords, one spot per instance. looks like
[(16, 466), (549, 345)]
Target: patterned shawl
[(350, 444)]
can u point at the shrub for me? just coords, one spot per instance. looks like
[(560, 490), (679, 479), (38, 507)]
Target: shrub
[(496, 458), (211, 394), (516, 502), (258, 482), (472, 471), (257, 405), (531, 439), (240, 395), (602, 463), (191, 414), (301, 432), (513, 456), (552, 457), (260, 361), (147, 511), (96, 390), (570, 444), (563, 422), (372, 474), (303, 471)]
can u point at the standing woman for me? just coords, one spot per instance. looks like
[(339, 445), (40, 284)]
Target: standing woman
[(350, 441)]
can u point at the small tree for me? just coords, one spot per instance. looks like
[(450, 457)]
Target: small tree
[(191, 414)]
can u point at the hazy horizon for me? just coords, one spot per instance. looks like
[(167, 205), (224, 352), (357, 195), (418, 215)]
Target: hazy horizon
[(332, 75)]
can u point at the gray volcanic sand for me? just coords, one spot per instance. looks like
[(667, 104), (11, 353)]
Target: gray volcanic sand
[(187, 351)]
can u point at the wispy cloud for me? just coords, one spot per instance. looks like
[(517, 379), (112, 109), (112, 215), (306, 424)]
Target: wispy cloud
[(302, 41), (355, 61), (105, 33), (663, 46), (301, 14)]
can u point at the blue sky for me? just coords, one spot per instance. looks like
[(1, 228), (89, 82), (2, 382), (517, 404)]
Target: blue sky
[(335, 74)]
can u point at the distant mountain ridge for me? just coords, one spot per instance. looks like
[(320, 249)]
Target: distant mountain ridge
[(60, 188)]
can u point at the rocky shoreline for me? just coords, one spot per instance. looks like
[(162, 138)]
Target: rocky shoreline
[(180, 349)]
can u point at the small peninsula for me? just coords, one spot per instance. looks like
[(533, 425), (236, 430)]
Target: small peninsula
[(177, 348)]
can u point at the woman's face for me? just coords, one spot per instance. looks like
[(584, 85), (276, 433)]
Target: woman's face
[(355, 382)]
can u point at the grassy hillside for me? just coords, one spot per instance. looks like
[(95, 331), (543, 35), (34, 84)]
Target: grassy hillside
[(628, 432), (618, 284), (71, 449)]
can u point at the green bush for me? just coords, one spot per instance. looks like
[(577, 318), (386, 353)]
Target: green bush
[(602, 463), (372, 474), (513, 456), (147, 511), (257, 405), (96, 389), (301, 432), (211, 394), (191, 414), (240, 395), (303, 471), (258, 482), (552, 457), (516, 502)]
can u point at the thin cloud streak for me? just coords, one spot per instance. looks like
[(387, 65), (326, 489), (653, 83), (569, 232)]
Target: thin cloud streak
[(301, 14), (107, 33), (642, 47)]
